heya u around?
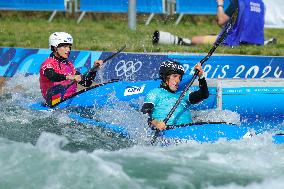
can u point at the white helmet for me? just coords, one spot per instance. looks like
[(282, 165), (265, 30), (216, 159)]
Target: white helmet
[(60, 37)]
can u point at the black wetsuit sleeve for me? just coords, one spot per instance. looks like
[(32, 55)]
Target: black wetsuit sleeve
[(147, 108), (203, 93), (53, 76), (87, 78)]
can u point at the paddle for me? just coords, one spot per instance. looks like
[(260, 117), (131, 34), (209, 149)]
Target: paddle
[(55, 94), (218, 41)]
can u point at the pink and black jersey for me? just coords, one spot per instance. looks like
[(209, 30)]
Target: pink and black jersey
[(62, 67)]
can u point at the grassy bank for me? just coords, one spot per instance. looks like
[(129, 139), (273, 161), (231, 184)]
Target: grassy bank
[(106, 32)]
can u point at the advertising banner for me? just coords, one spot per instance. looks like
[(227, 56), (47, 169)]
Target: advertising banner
[(142, 66)]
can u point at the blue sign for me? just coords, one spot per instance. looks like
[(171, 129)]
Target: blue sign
[(235, 66), (141, 66), (134, 66)]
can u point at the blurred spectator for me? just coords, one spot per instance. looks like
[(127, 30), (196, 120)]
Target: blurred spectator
[(249, 28)]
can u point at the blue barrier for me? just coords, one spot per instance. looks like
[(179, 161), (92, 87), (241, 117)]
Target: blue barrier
[(151, 6), (120, 6), (141, 66), (34, 5), (116, 6), (206, 7)]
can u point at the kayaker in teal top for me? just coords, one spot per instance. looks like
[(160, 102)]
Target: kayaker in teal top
[(159, 101)]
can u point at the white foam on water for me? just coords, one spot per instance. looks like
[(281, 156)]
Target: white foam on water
[(64, 118), (121, 113), (51, 142), (275, 183), (249, 163), (236, 164), (23, 84), (194, 165), (214, 115)]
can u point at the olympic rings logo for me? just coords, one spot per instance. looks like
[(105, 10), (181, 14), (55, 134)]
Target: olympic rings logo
[(127, 68)]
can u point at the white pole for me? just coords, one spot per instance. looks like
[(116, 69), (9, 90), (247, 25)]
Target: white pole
[(132, 14), (219, 95)]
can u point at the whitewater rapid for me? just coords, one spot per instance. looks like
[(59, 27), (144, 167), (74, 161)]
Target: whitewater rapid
[(49, 150)]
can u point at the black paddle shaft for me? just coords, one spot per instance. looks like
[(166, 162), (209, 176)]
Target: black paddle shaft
[(193, 78), (219, 40), (61, 89), (114, 54), (95, 67), (109, 57)]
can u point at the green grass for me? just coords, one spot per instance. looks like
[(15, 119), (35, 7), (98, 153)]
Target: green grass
[(107, 32)]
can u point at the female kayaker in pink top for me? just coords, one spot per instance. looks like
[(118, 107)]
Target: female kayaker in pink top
[(58, 70)]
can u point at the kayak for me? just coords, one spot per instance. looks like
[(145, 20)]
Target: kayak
[(258, 102), (201, 132)]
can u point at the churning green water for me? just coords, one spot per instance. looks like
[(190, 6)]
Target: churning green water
[(48, 150)]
